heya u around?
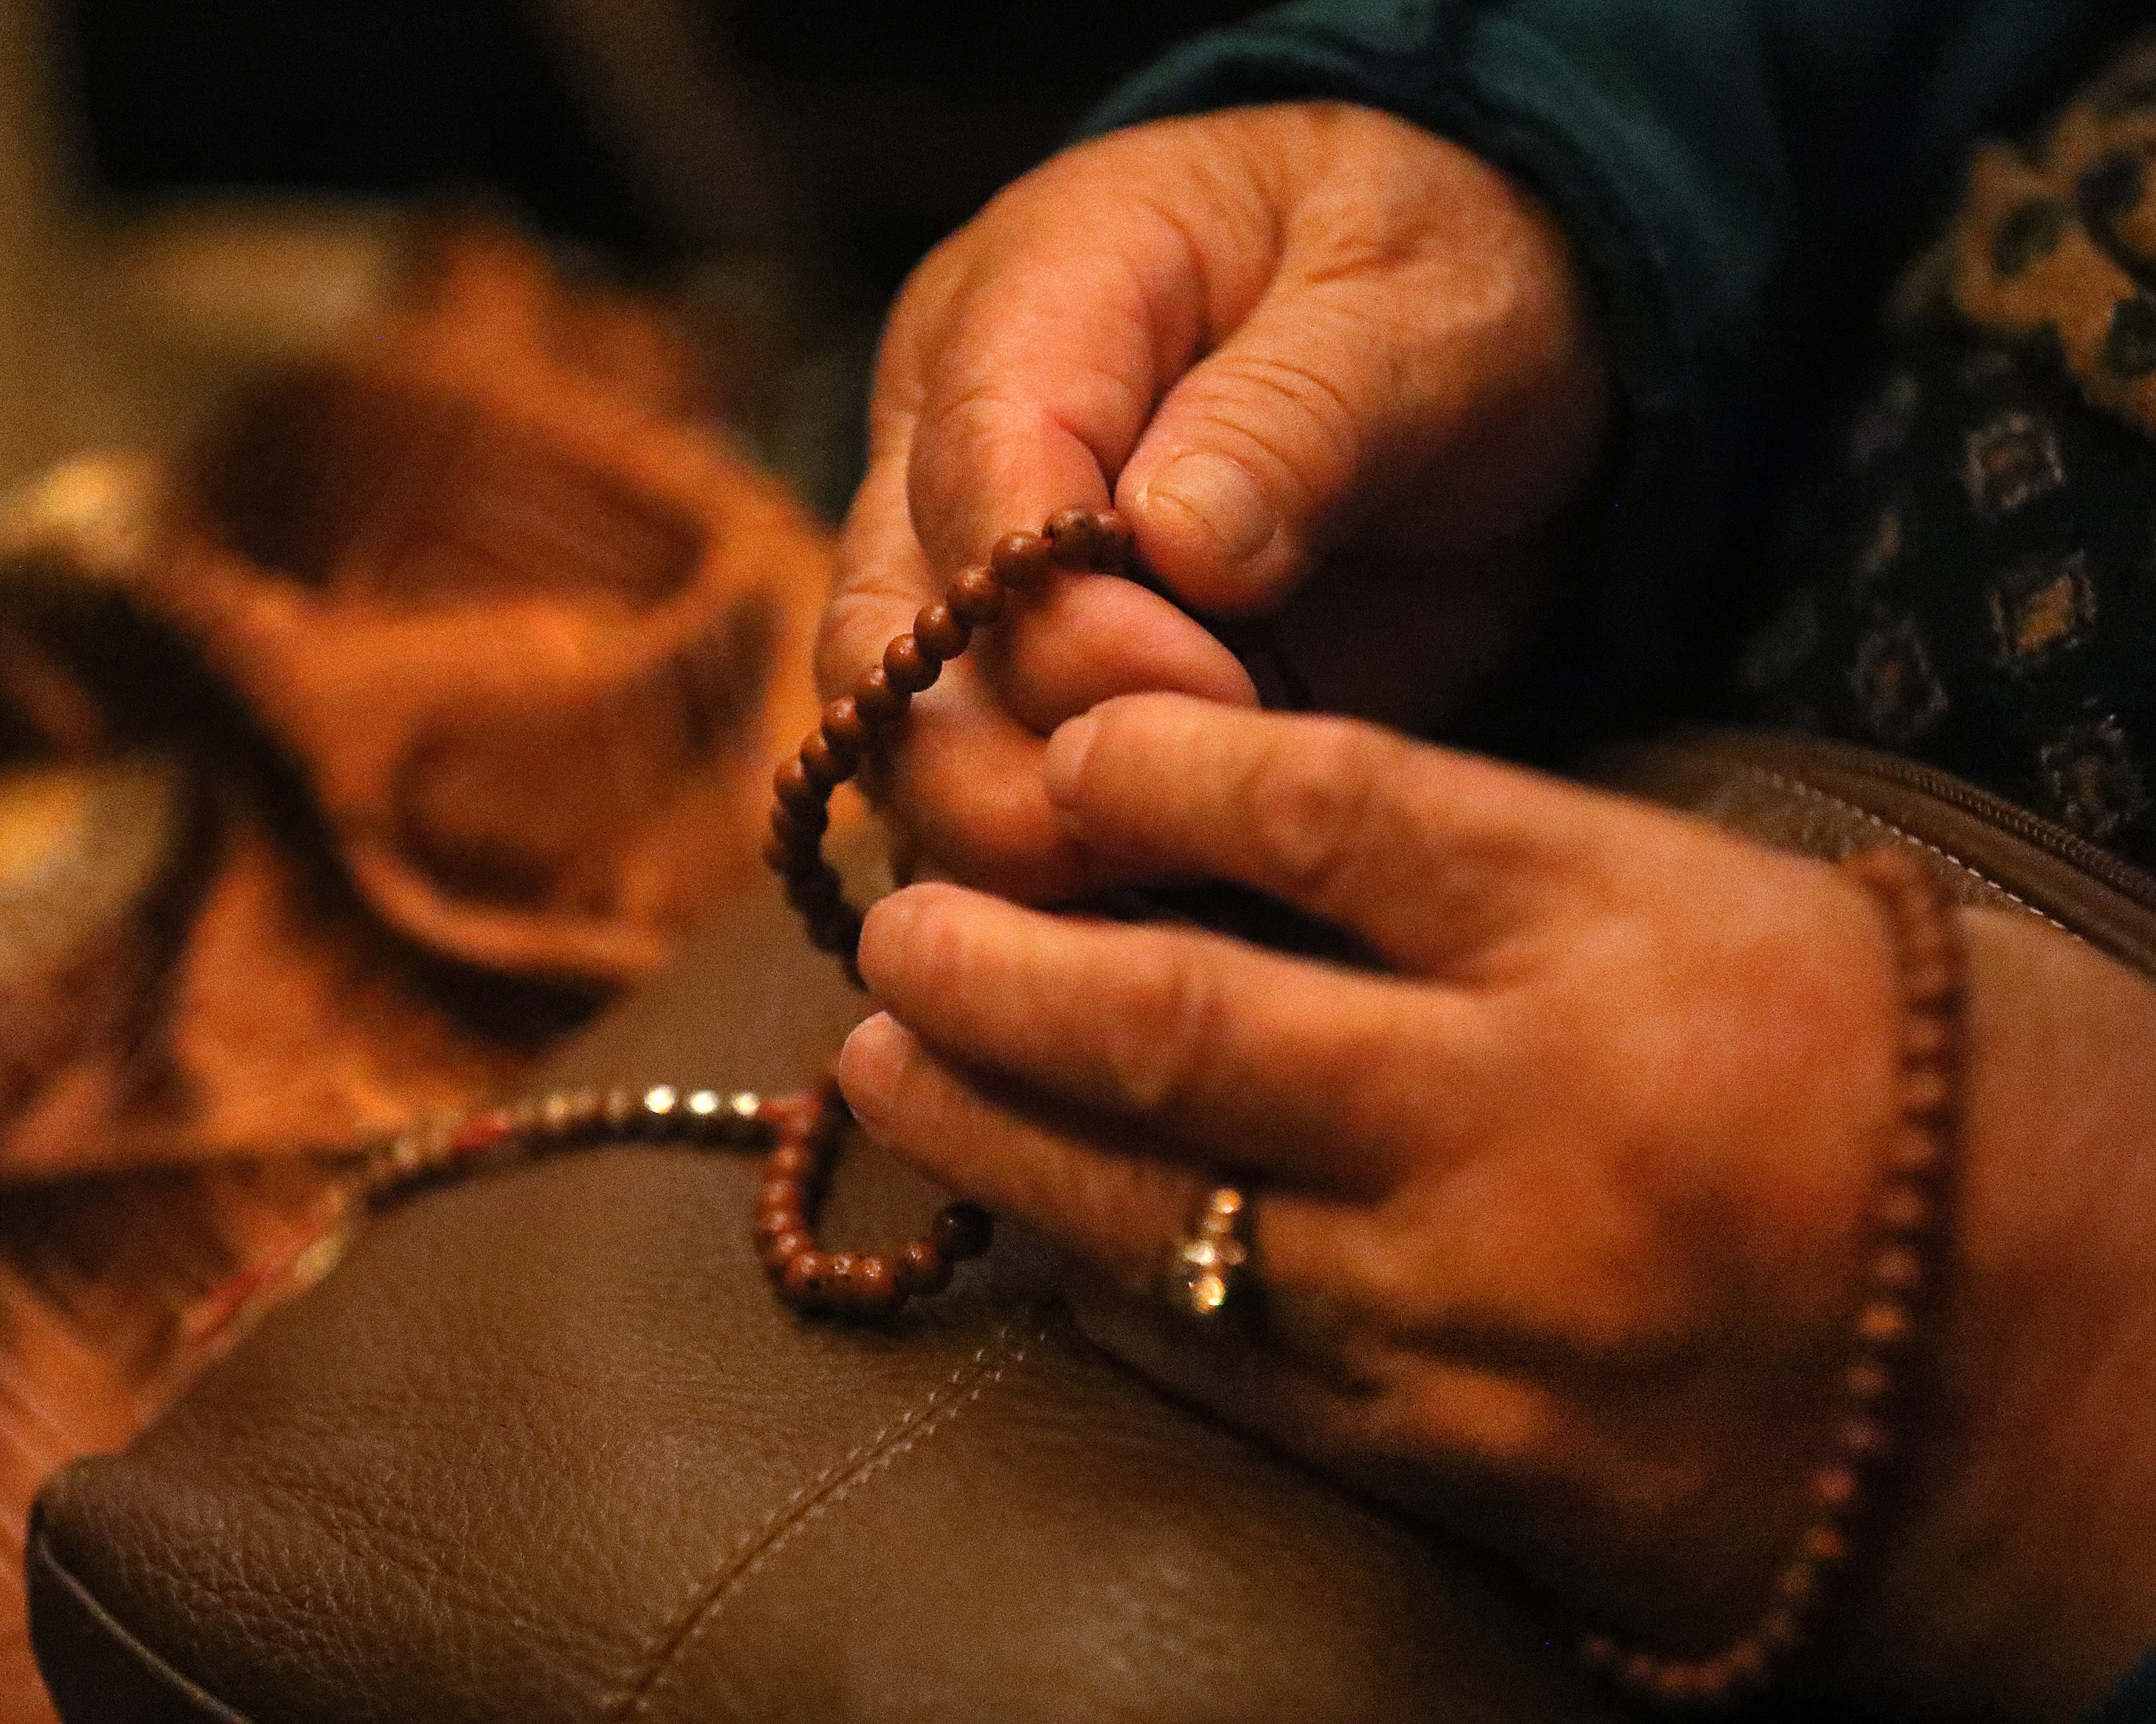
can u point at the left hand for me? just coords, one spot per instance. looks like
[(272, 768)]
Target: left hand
[(1557, 1222)]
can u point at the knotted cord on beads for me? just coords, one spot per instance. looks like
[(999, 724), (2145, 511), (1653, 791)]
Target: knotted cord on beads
[(854, 728)]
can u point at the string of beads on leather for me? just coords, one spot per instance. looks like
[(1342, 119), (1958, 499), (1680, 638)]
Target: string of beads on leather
[(1903, 1228), (852, 728)]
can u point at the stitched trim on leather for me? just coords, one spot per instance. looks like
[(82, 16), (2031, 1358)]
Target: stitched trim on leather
[(1798, 787), (149, 1666), (896, 1439)]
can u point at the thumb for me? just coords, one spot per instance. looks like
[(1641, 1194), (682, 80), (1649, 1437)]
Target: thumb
[(1433, 385)]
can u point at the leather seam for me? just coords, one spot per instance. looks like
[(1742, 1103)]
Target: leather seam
[(151, 1664), (1799, 787), (829, 1488)]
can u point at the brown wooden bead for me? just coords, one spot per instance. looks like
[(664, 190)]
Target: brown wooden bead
[(1823, 1545), (1929, 984), (1895, 1268), (815, 901), (910, 669), (790, 1161), (1798, 1584), (1716, 1681), (828, 906), (798, 829), (1884, 1322), (843, 729), (1865, 1438), (881, 706), (1834, 1488), (795, 857), (1077, 540), (812, 892), (976, 598), (874, 1285), (922, 1269), (1924, 1093), (821, 764), (1902, 1207), (1673, 1683), (1021, 560), (963, 1230), (779, 1194), (807, 1276), (780, 1250), (1869, 1380), (779, 1223), (791, 785), (838, 929), (1926, 1035), (939, 633), (839, 932), (1914, 1149)]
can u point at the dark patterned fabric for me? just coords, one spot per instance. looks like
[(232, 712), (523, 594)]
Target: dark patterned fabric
[(1971, 574)]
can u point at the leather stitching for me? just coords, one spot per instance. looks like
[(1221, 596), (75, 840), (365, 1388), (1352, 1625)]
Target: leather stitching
[(829, 1488), (1799, 787)]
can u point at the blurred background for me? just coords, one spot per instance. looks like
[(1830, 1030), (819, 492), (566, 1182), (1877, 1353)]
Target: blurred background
[(197, 986), (189, 189)]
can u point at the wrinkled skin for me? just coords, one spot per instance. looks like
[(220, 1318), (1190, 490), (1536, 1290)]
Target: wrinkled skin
[(1559, 1214)]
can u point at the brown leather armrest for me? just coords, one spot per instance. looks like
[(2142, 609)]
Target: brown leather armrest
[(545, 1448)]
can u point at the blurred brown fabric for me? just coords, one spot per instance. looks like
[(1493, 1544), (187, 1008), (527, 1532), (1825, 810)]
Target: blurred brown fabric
[(347, 763)]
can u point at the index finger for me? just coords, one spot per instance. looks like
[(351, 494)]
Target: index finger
[(1432, 856), (1044, 340)]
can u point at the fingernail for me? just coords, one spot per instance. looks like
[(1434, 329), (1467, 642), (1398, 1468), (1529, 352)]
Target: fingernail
[(885, 929), (1064, 763), (869, 1066), (1221, 496)]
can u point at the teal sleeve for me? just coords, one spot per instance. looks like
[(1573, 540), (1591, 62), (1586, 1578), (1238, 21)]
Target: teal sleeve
[(1739, 178)]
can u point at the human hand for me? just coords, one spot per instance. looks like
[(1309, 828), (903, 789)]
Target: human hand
[(1558, 1224), (1280, 339)]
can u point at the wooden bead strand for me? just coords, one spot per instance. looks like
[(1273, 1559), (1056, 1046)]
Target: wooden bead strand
[(798, 1134), (1904, 1239), (864, 724), (809, 1279), (855, 728)]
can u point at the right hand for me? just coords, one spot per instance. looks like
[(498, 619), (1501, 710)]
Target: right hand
[(1274, 337)]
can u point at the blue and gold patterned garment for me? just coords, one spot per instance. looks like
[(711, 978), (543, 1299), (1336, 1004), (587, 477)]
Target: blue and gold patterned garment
[(1973, 569)]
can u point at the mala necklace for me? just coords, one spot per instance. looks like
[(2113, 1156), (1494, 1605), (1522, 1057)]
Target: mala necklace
[(1903, 1230), (854, 727), (800, 1134)]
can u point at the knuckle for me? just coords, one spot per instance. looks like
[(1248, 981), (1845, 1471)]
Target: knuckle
[(1296, 418), (1160, 1056), (1315, 805)]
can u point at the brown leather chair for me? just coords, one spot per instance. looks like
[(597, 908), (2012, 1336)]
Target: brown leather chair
[(545, 1448)]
